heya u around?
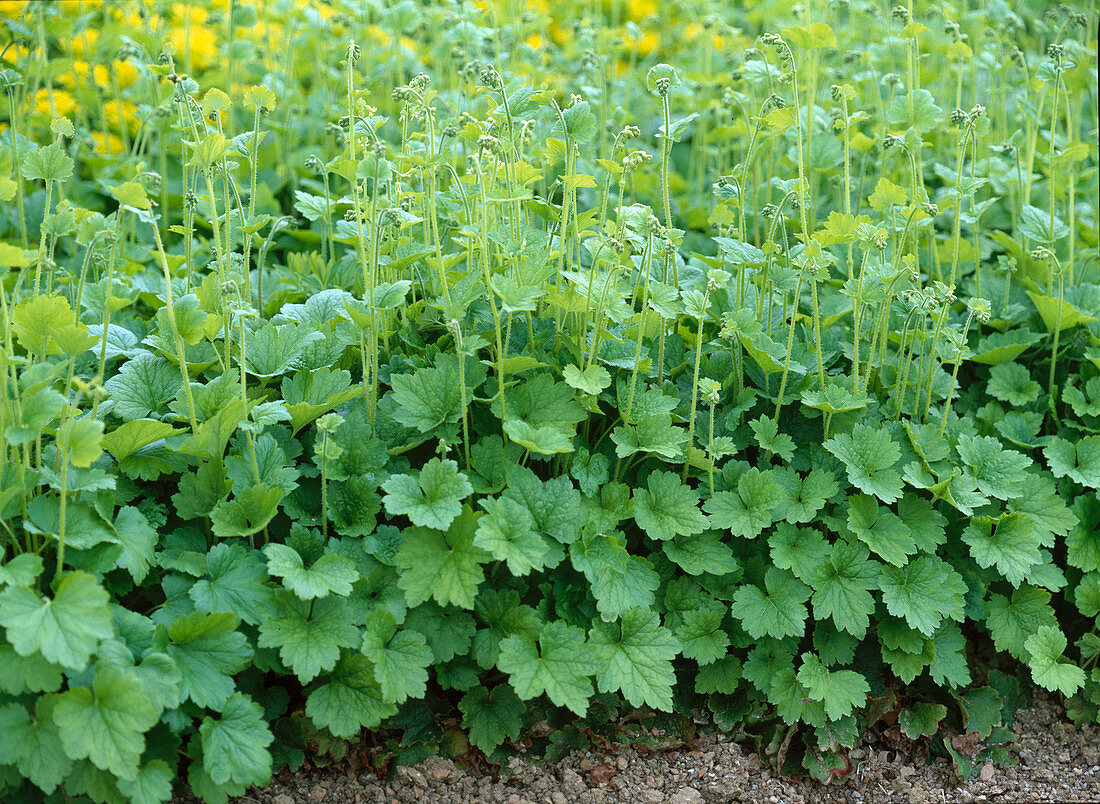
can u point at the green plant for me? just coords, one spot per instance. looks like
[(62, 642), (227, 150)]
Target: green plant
[(479, 440)]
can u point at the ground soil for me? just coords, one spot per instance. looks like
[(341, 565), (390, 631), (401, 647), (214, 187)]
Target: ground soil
[(1055, 762)]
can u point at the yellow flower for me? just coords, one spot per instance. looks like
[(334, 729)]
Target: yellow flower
[(202, 45), (111, 145), (54, 102), (644, 44), (124, 71), (120, 113), (16, 53), (84, 43), (182, 11), (638, 10)]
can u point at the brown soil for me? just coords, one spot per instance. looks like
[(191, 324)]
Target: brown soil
[(1056, 763)]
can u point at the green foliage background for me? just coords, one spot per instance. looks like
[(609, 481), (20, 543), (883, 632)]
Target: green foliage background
[(437, 370)]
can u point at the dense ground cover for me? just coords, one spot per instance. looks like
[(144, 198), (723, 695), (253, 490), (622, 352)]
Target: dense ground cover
[(485, 377)]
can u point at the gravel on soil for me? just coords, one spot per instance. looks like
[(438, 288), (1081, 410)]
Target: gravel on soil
[(1056, 763)]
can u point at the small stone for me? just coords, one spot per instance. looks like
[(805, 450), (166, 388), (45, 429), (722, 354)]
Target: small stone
[(987, 772), (558, 798), (686, 795), (651, 797), (907, 771), (282, 798), (513, 799), (651, 782), (572, 781), (622, 763), (587, 764), (318, 794)]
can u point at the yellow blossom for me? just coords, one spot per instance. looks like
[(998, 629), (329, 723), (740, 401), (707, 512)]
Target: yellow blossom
[(202, 44), (119, 112), (54, 102), (84, 43), (182, 12), (112, 144)]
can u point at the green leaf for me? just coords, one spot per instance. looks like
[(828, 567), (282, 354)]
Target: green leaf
[(492, 716), (592, 380), (506, 532), (800, 550), (660, 72), (1008, 541), (444, 566), (770, 439), (924, 591), (351, 700), (701, 635), (66, 629), (308, 394), (668, 508), (22, 570), (400, 657), (83, 438), (1011, 622), (747, 511), (1058, 313), (580, 123), (802, 497), (131, 194), (542, 415), (839, 690), (107, 723), (634, 656), (236, 584), (234, 746), (1001, 347), (1012, 383), (998, 472), (722, 676), (560, 664), (50, 163), (778, 612), (152, 785), (138, 541), (981, 710), (329, 574), (142, 386), (701, 553), (921, 719), (32, 743), (654, 434), (19, 674), (619, 581), (431, 499), (503, 613), (1036, 224), (1078, 460), (309, 633), (208, 650), (1049, 670), (917, 109), (429, 397), (554, 506), (247, 513), (842, 585), (271, 350), (869, 454), (131, 436), (880, 529)]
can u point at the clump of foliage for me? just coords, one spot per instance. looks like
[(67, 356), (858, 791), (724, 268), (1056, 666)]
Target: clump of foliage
[(434, 371)]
